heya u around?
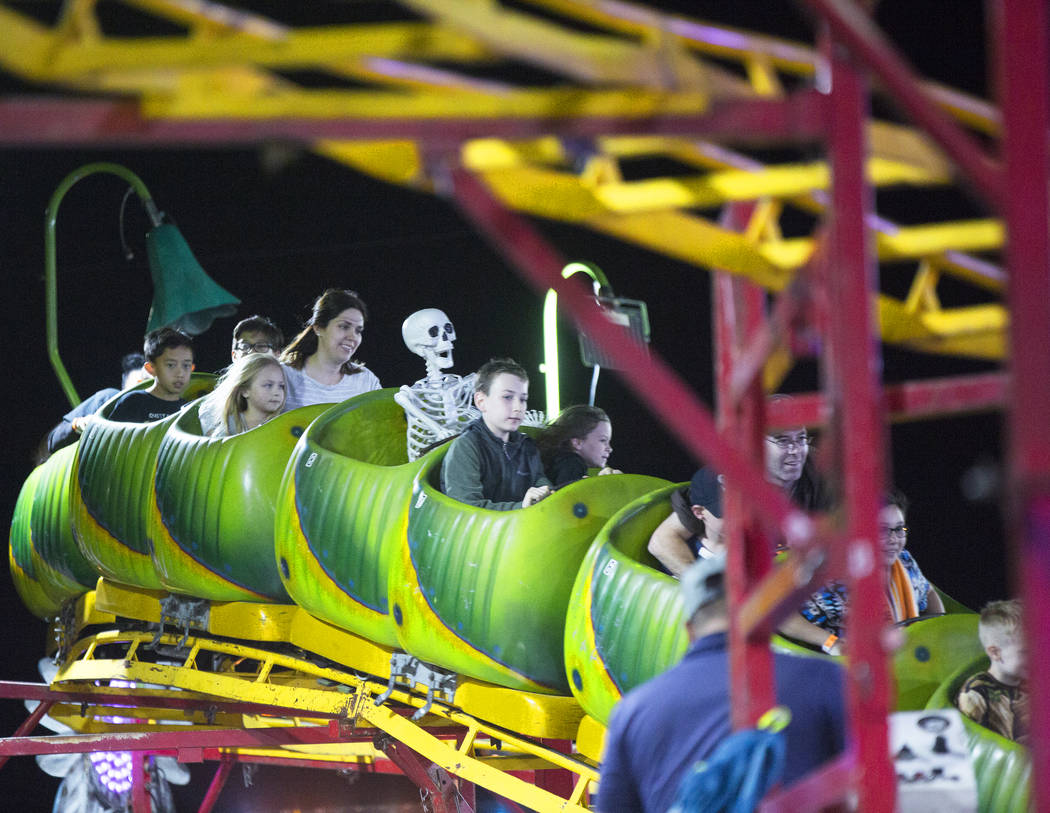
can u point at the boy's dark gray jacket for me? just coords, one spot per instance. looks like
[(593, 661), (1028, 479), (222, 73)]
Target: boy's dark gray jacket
[(480, 469)]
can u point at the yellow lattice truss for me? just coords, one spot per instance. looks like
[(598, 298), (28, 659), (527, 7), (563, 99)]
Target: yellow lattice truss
[(436, 60), (482, 734)]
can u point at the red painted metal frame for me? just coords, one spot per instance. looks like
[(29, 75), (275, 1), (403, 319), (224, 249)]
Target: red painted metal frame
[(443, 794), (648, 375), (907, 401), (739, 328), (47, 121), (381, 765), (854, 398), (216, 785), (30, 723), (852, 26), (852, 374), (140, 795), (821, 789), (1023, 78)]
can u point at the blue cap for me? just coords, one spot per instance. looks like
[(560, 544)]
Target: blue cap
[(705, 490)]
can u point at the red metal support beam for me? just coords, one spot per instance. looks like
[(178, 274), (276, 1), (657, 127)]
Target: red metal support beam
[(428, 776), (648, 375), (50, 121), (852, 26), (381, 765), (738, 322), (173, 741), (1023, 78), (907, 401), (852, 372), (30, 722), (140, 782), (218, 782), (816, 791)]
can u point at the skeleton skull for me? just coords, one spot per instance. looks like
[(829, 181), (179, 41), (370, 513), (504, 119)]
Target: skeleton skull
[(429, 333)]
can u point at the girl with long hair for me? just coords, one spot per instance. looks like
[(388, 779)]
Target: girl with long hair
[(250, 392), (579, 439)]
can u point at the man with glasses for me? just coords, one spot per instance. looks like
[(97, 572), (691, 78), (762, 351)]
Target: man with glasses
[(256, 334), (674, 542), (788, 467)]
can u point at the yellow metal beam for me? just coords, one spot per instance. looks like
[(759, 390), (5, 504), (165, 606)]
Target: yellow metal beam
[(906, 243), (978, 331), (315, 691), (36, 52), (212, 18), (718, 188), (589, 58), (208, 97), (913, 242), (549, 716), (220, 70), (694, 240), (640, 21)]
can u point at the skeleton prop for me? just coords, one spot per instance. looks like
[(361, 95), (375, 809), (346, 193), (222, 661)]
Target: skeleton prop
[(441, 404)]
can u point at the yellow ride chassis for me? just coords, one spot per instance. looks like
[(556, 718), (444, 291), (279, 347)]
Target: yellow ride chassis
[(489, 732)]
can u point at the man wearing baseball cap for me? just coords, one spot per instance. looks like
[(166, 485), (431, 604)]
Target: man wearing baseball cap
[(694, 528), (660, 729)]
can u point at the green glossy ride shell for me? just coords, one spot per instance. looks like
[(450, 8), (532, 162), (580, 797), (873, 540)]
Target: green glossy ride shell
[(113, 493), (42, 599), (212, 529), (624, 623), (342, 511), (933, 649), (52, 527), (485, 592), (42, 544)]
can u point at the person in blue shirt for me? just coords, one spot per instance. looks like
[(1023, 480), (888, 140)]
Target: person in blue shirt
[(659, 730), (67, 431)]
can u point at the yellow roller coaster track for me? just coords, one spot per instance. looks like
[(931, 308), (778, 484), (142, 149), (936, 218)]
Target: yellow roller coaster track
[(306, 676), (619, 68)]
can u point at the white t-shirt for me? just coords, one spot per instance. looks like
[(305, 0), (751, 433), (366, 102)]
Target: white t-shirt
[(304, 391)]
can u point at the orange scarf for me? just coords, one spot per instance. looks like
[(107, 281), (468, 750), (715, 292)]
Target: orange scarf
[(900, 593)]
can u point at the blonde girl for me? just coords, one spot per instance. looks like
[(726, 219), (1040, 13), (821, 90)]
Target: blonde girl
[(249, 393)]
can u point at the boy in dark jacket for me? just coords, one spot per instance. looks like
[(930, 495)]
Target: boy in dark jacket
[(492, 464)]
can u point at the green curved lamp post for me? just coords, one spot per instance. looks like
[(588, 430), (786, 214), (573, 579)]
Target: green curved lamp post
[(550, 367), (184, 296)]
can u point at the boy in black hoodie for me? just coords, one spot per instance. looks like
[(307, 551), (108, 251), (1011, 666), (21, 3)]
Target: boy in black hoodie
[(492, 464)]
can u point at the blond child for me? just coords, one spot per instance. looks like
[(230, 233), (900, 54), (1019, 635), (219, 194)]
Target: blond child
[(998, 697), (250, 392)]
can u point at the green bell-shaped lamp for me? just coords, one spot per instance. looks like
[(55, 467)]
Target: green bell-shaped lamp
[(184, 297)]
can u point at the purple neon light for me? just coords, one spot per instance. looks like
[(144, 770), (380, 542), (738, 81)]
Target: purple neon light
[(114, 770)]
